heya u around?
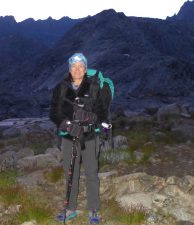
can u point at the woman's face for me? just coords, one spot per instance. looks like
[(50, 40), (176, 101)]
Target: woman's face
[(77, 71)]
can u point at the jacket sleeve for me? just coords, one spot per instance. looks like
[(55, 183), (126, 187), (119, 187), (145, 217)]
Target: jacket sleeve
[(102, 104), (54, 112)]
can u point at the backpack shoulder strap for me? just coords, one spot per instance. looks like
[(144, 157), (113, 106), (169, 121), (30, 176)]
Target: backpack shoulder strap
[(102, 79), (95, 84), (63, 90)]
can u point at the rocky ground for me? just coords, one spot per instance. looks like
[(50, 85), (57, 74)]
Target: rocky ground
[(152, 158)]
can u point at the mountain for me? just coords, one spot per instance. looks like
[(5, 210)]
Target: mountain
[(24, 42), (149, 60), (8, 25), (186, 13), (46, 31), (22, 45), (146, 58)]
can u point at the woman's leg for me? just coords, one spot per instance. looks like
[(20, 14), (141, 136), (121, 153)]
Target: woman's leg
[(90, 163), (66, 147)]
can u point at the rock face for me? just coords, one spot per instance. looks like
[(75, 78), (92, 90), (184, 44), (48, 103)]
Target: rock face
[(172, 196)]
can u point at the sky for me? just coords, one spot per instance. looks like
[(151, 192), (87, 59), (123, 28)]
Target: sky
[(42, 9)]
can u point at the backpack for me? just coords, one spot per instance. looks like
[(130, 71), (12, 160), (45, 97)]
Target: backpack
[(106, 86), (106, 89), (103, 80)]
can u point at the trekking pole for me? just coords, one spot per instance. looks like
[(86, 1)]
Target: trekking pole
[(70, 175)]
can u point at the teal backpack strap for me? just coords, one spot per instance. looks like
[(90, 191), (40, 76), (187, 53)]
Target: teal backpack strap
[(110, 84), (62, 133), (92, 72)]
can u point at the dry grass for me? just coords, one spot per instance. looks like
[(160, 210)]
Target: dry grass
[(55, 174)]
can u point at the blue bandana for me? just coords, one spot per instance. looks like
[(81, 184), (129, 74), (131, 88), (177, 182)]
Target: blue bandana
[(77, 57)]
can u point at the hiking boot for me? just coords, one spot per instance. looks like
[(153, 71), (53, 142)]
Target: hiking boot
[(94, 218), (70, 214)]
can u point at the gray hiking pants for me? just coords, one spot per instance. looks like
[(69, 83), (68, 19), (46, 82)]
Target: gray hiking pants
[(90, 164)]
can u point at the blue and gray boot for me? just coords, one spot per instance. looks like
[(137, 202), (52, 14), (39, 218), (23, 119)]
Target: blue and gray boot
[(94, 218)]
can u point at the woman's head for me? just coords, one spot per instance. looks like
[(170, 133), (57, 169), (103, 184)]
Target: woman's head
[(77, 66)]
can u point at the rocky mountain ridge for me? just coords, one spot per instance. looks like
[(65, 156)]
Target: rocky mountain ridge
[(46, 31), (150, 60), (145, 58), (22, 45), (186, 13)]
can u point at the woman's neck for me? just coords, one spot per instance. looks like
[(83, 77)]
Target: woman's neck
[(77, 81)]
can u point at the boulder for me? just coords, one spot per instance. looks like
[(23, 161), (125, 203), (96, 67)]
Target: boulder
[(24, 152), (120, 142), (143, 200), (37, 162), (8, 160), (172, 196), (184, 131), (56, 153), (34, 178), (167, 111)]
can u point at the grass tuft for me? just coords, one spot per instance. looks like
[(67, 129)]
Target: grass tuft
[(34, 211), (135, 215), (55, 174), (7, 178)]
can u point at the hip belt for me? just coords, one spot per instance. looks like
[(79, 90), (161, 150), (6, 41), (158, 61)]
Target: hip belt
[(88, 128)]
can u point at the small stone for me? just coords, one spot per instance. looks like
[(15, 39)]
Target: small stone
[(33, 222)]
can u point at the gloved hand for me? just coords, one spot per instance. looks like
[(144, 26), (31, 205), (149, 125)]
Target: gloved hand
[(106, 126), (64, 124), (74, 129), (105, 129)]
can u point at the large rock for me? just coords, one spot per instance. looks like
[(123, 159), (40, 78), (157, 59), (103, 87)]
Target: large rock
[(172, 196), (168, 111), (24, 152), (15, 127), (8, 160), (10, 156), (37, 162), (184, 131), (33, 179), (12, 132), (135, 199), (59, 155), (120, 142)]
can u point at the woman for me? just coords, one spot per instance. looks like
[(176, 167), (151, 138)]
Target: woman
[(78, 97)]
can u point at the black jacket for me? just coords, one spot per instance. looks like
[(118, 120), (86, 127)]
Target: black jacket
[(61, 109)]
